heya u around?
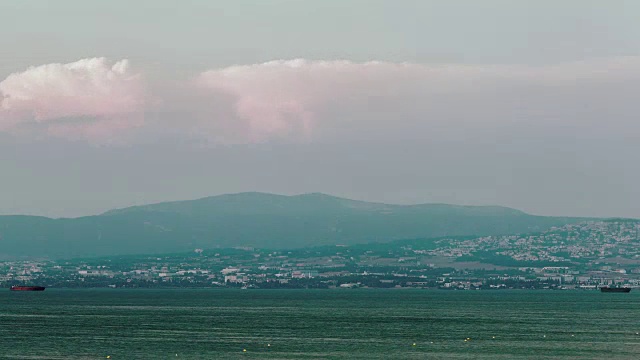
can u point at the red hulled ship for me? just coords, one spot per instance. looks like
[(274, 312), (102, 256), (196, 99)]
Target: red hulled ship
[(27, 288)]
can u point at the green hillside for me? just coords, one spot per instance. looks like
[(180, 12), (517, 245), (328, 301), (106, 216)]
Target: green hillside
[(254, 219)]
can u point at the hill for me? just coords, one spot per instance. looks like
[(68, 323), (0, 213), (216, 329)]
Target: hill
[(257, 220)]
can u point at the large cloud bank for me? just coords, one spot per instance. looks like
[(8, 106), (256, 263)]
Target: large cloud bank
[(307, 100), (91, 98), (288, 97), (302, 100)]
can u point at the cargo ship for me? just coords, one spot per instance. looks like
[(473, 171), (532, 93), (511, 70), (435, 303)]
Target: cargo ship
[(27, 288), (615, 289)]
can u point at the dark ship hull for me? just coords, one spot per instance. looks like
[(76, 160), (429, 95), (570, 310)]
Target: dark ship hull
[(616, 290), (27, 288)]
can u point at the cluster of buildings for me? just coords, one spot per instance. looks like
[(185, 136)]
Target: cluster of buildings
[(588, 242), (585, 255)]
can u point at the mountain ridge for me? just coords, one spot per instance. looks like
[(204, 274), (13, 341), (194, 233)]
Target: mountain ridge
[(257, 220), (317, 195)]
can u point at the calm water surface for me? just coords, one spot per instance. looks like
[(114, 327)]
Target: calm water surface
[(318, 324)]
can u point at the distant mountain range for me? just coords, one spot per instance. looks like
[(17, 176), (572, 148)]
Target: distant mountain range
[(256, 220)]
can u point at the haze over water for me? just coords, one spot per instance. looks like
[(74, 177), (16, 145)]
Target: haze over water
[(311, 324)]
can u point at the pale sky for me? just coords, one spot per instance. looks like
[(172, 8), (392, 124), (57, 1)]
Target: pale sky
[(527, 104)]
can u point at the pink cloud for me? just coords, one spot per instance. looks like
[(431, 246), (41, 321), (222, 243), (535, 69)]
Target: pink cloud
[(290, 98), (306, 100), (89, 98), (282, 98)]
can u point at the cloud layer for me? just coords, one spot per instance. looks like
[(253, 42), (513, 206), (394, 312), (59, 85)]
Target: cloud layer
[(91, 98), (310, 100), (303, 100), (298, 98)]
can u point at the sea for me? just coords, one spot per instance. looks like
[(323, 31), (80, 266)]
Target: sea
[(318, 324)]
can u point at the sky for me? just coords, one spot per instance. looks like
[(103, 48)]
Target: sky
[(526, 104)]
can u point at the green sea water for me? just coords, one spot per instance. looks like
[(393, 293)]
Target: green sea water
[(318, 324)]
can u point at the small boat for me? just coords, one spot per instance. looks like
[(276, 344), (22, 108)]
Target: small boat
[(27, 288), (615, 289)]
